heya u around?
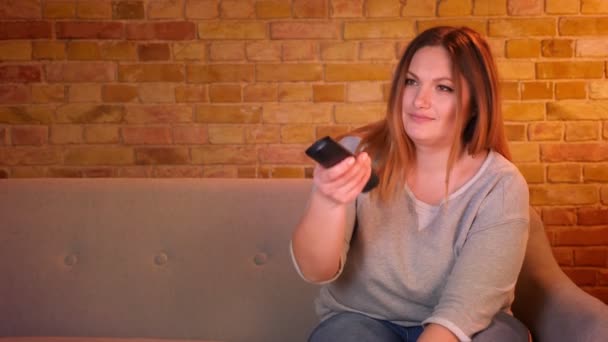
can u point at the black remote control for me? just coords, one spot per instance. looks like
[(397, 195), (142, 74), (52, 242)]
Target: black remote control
[(328, 153)]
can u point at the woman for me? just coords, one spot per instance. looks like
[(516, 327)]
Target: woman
[(433, 253)]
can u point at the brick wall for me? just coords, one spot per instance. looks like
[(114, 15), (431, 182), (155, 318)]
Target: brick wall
[(210, 88)]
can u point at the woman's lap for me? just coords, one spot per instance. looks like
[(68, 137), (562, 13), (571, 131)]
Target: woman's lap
[(349, 326)]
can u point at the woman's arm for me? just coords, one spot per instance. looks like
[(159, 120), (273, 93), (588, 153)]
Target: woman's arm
[(318, 240), (483, 278)]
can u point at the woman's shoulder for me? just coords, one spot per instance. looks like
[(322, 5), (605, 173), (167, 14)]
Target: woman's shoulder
[(503, 169)]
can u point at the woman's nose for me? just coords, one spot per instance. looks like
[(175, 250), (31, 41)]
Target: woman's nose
[(422, 99)]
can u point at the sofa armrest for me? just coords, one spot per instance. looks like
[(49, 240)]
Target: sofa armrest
[(549, 303), (571, 314)]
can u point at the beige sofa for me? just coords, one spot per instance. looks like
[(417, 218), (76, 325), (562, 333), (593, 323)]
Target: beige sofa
[(197, 259)]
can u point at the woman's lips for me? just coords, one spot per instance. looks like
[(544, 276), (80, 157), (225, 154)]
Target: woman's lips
[(420, 118)]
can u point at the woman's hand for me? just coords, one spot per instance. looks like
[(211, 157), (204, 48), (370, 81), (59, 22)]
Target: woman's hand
[(437, 333), (341, 183)]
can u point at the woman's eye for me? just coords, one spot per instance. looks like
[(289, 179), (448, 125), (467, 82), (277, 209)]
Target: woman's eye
[(445, 88), (409, 81)]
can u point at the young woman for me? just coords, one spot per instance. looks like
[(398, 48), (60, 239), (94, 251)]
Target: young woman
[(433, 253)]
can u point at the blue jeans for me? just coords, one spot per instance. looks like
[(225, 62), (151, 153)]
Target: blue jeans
[(350, 326)]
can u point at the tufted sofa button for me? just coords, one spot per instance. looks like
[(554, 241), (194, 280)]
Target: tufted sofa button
[(70, 260), (161, 259), (260, 259)]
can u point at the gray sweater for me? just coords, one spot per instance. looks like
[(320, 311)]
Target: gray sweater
[(458, 269)]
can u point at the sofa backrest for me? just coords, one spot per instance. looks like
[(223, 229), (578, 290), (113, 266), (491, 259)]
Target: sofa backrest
[(153, 258)]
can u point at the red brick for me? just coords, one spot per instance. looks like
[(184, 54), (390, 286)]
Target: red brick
[(273, 9), (30, 156), (12, 94), (293, 30), (151, 73), (29, 135), (298, 50), (94, 9), (228, 114), (220, 73), (127, 9), (522, 27), (237, 9), (225, 93), (564, 173), (347, 8), (583, 26), (143, 114), (98, 155), (262, 134), (89, 113), (66, 134), (20, 73), (118, 93), (395, 29), (4, 173), (154, 52), (559, 216), (515, 132), (557, 47), (525, 7), (283, 154), (581, 277), (178, 30), (563, 256), (60, 10), (570, 69), (232, 30), (191, 134), (89, 30), (587, 152), (586, 236), (227, 51), (562, 194), (590, 257), (179, 172), (570, 90), (147, 135), (20, 9), (161, 155), (538, 131), (224, 154), (166, 9), (288, 72), (29, 114), (191, 93), (358, 72), (4, 136), (26, 30), (202, 9), (602, 279), (592, 216), (86, 92), (310, 8), (260, 92), (295, 92), (81, 72), (595, 173)]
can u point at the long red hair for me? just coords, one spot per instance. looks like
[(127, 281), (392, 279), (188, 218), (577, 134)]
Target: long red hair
[(480, 123)]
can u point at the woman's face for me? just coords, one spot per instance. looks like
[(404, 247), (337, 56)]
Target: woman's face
[(429, 103)]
